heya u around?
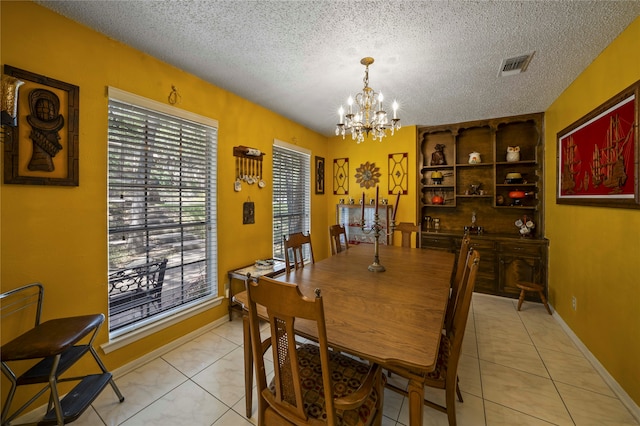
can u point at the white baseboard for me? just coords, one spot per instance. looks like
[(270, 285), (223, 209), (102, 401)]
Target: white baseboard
[(633, 408)]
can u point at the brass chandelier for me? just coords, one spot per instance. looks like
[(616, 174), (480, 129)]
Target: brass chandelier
[(370, 117)]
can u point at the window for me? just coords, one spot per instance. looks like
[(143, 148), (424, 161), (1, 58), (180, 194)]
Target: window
[(291, 193), (162, 205)]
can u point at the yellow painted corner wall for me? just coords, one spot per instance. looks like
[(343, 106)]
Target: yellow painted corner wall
[(404, 141), (594, 252), (58, 235)]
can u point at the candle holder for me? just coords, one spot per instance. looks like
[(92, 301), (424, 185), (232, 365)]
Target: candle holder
[(377, 229)]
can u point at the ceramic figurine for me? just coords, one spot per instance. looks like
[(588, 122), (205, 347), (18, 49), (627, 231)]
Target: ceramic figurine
[(474, 158), (513, 154), (438, 158)]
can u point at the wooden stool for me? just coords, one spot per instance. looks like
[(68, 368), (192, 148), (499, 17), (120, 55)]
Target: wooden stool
[(525, 286)]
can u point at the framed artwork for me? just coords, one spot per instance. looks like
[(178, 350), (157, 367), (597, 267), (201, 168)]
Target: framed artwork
[(398, 165), (340, 176), (598, 156), (43, 146), (319, 175)]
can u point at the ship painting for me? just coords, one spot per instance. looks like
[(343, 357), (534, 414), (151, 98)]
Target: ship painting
[(608, 166), (597, 157)]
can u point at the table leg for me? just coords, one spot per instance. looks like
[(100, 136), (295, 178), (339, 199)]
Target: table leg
[(248, 364), (416, 399)]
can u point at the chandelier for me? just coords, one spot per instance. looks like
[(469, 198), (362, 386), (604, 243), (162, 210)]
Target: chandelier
[(369, 118)]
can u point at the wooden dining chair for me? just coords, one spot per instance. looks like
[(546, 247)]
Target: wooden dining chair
[(311, 385), (461, 262), (407, 229), (337, 234), (296, 242), (445, 375)]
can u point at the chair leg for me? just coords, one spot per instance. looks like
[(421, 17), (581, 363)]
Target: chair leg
[(450, 397), (248, 365), (521, 299), (544, 301), (458, 389)]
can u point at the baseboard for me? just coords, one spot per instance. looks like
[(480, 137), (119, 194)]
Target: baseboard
[(633, 408)]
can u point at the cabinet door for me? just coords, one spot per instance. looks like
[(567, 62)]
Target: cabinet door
[(514, 268), (486, 278)]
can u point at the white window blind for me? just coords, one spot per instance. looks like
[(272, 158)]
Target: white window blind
[(291, 194), (162, 205)]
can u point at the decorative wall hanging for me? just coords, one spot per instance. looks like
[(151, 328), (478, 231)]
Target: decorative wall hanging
[(319, 175), (368, 175), (340, 176), (248, 167), (398, 164), (248, 212), (43, 148), (598, 155)]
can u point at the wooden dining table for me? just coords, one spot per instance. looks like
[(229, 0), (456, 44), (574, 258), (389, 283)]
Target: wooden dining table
[(393, 318)]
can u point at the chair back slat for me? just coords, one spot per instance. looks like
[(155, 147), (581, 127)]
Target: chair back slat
[(337, 234)]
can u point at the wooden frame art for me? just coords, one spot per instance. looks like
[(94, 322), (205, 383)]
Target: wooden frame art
[(598, 155), (398, 170), (43, 149), (319, 175), (341, 176)]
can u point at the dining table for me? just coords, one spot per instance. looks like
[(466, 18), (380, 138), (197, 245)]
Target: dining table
[(393, 318)]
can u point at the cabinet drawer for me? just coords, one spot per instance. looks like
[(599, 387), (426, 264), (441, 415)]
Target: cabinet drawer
[(438, 243), (522, 249)]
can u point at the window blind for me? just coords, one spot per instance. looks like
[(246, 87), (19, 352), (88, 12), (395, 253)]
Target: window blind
[(291, 195), (162, 205)]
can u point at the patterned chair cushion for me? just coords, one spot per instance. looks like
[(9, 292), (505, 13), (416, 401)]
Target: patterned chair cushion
[(440, 372), (346, 375)]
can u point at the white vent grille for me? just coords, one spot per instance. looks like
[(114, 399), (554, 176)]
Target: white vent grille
[(515, 65)]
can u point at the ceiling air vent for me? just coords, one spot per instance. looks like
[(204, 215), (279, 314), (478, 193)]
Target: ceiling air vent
[(516, 65)]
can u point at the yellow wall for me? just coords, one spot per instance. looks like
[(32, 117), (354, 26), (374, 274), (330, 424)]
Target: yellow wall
[(594, 252), (58, 235), (375, 152)]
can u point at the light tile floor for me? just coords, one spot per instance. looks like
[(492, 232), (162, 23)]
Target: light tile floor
[(517, 368)]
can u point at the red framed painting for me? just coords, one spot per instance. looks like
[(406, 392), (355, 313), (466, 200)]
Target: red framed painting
[(598, 156)]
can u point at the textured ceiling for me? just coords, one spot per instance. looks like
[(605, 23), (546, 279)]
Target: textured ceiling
[(440, 60)]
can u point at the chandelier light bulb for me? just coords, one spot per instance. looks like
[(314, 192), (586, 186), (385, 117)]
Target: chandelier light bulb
[(367, 120)]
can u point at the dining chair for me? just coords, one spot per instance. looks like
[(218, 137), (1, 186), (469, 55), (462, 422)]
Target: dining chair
[(337, 234), (311, 385), (296, 242), (461, 262), (445, 374), (406, 229)]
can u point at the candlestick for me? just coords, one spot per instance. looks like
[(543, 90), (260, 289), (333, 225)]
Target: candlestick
[(362, 209), (395, 208), (377, 199), (395, 109), (341, 114)]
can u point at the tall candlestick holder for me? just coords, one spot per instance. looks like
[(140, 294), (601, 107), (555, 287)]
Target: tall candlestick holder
[(377, 229)]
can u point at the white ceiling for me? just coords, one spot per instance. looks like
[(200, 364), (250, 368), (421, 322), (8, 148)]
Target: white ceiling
[(439, 59)]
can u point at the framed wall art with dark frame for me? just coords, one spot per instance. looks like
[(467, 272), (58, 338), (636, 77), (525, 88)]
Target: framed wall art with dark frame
[(43, 148), (319, 175), (598, 155)]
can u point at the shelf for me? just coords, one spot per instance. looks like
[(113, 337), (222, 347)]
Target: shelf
[(475, 165), (494, 140)]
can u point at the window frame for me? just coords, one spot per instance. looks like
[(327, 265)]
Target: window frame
[(146, 326), (277, 230)]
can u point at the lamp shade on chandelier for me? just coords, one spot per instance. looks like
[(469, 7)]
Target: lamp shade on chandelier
[(370, 116)]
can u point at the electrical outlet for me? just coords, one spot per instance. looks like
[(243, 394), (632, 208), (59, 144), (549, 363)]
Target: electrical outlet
[(574, 303)]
